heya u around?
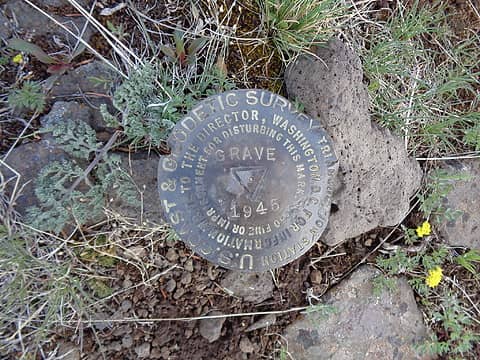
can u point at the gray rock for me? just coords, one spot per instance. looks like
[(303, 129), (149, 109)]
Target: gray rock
[(211, 329), (5, 27), (28, 160), (171, 285), (263, 322), (171, 255), (31, 21), (252, 287), (363, 326), (186, 278), (68, 351), (71, 110), (91, 81), (127, 341), (143, 351), (189, 265), (316, 277), (246, 345), (376, 177), (142, 168), (465, 195)]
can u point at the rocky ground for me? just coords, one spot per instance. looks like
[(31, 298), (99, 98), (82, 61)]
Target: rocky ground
[(163, 281)]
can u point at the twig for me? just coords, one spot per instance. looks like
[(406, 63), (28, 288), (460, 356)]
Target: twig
[(187, 319)]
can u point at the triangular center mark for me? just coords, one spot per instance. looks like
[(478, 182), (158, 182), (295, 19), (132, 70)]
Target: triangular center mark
[(251, 178)]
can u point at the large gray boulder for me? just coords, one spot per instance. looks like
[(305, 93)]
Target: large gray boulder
[(362, 325), (27, 161), (376, 177), (33, 23), (464, 197), (91, 81), (63, 111)]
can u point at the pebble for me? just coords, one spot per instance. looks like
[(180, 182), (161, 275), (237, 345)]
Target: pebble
[(136, 252), (143, 351), (186, 278), (211, 329), (368, 242), (246, 345), (316, 277), (189, 265), (126, 305), (127, 341), (179, 293), (171, 255), (171, 285)]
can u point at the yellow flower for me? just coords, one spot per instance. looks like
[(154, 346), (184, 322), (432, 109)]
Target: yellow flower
[(434, 277), (424, 229), (17, 59)]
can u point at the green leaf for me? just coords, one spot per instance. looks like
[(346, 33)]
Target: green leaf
[(32, 49), (195, 45), (167, 51)]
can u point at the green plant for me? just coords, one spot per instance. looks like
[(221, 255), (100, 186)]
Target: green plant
[(294, 26), (181, 54), (440, 183), (459, 339), (383, 283), (30, 96), (154, 98), (422, 79), (118, 30), (59, 203), (470, 260), (39, 288)]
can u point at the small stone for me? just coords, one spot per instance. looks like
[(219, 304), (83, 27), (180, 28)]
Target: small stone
[(115, 346), (126, 305), (171, 285), (316, 277), (246, 345), (136, 252), (127, 341), (252, 287), (101, 325), (188, 333), (143, 351), (171, 255), (68, 351), (186, 278), (211, 329), (263, 322), (122, 330), (127, 283), (368, 242), (189, 265), (179, 293)]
